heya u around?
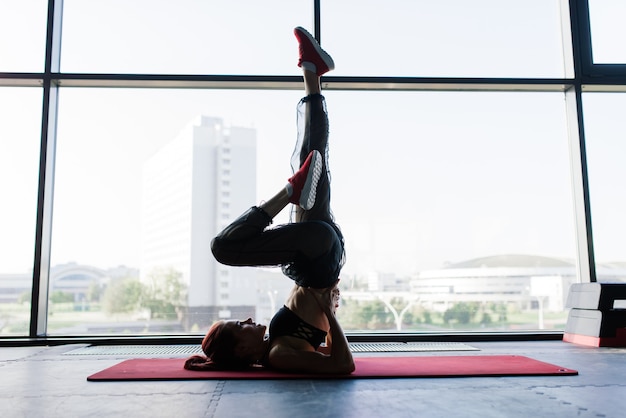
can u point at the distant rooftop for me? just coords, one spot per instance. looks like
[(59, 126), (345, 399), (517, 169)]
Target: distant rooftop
[(512, 260)]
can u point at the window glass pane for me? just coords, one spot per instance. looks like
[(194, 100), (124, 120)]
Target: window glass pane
[(457, 203), (138, 198), (181, 37), (23, 34), (458, 38), (608, 31), (20, 115), (606, 148)]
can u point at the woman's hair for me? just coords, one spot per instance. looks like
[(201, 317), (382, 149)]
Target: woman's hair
[(218, 345)]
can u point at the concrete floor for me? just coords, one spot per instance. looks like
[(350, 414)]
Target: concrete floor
[(43, 382)]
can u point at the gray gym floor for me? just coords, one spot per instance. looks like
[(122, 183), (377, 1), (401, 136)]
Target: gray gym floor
[(51, 382)]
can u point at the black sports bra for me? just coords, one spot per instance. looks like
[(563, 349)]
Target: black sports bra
[(287, 323)]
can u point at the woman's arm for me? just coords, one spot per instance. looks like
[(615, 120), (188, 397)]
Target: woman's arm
[(339, 359), (339, 347), (326, 349)]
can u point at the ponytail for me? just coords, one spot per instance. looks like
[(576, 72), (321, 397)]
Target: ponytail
[(199, 363)]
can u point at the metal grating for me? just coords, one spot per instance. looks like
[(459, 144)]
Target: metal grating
[(397, 347), (135, 350), (175, 350)]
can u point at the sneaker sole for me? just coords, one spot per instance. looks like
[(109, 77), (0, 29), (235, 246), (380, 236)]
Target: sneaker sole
[(307, 196), (328, 60)]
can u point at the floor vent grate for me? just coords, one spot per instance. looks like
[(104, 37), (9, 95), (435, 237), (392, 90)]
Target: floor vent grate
[(135, 350), (397, 347), (184, 350)]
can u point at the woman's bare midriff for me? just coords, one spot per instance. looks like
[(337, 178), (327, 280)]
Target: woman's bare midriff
[(303, 303)]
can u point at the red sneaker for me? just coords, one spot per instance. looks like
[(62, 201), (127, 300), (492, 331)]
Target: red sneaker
[(312, 56), (304, 182)]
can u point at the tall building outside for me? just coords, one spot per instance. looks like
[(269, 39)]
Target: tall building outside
[(193, 187)]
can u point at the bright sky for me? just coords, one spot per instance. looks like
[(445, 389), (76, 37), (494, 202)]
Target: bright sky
[(419, 178)]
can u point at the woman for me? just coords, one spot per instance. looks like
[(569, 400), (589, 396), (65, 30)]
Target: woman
[(309, 250)]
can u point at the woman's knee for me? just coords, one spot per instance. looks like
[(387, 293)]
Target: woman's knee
[(221, 251)]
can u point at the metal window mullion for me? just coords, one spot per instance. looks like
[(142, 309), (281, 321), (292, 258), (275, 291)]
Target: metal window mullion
[(317, 32), (43, 231), (567, 38), (580, 49), (582, 19), (585, 260)]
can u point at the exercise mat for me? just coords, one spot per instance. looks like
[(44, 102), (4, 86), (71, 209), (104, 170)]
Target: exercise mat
[(366, 368)]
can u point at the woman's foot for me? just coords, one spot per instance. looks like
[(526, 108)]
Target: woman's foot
[(302, 186), (312, 57)]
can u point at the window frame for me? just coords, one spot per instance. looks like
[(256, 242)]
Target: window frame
[(581, 75), (596, 77)]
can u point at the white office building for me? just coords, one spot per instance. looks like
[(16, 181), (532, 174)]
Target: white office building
[(524, 280), (193, 187)]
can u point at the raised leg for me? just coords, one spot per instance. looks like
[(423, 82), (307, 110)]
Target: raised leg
[(309, 251), (313, 123)]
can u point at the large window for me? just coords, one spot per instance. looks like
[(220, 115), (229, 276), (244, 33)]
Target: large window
[(181, 37), (454, 208), (23, 31), (145, 177), (20, 119), (607, 31), (457, 153), (605, 150), (450, 38)]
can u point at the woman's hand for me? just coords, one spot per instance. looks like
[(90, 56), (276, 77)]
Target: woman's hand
[(335, 297)]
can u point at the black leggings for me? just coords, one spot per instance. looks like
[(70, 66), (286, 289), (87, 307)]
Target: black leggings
[(310, 250)]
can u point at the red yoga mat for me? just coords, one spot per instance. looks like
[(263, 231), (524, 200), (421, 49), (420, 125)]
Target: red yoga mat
[(366, 367)]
